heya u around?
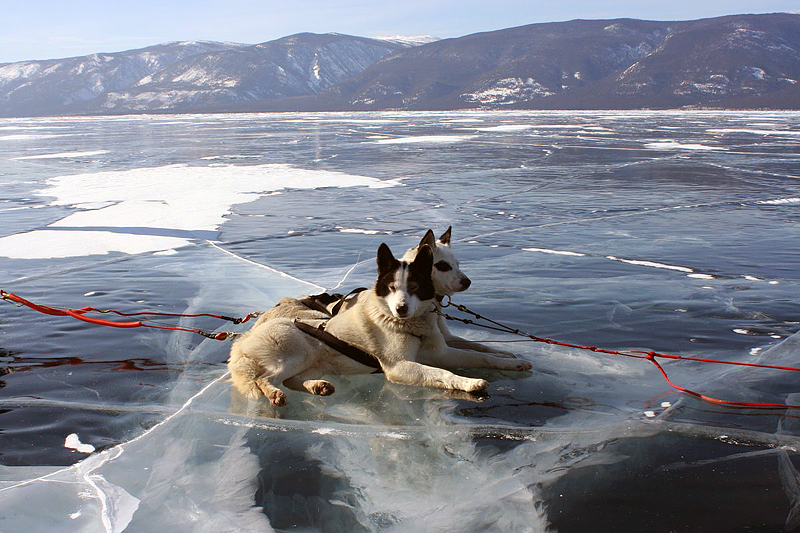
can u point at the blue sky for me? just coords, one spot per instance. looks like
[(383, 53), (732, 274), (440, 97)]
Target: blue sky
[(64, 28)]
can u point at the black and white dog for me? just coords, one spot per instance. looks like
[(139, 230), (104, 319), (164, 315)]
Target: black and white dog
[(393, 321)]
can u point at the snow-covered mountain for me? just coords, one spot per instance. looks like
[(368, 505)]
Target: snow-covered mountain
[(738, 61), (186, 76), (409, 40), (76, 84), (734, 61), (235, 78)]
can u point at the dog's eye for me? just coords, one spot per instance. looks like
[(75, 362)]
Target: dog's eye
[(392, 287), (412, 287), (443, 266)]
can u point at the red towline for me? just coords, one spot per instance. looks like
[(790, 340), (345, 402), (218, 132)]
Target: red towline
[(80, 314), (637, 354), (651, 356)]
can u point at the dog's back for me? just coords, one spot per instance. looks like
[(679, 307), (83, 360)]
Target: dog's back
[(314, 307)]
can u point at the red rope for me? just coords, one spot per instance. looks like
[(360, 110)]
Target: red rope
[(638, 354), (79, 314), (157, 313), (719, 401), (650, 356)]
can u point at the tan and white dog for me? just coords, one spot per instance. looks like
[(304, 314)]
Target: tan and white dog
[(447, 276), (393, 321), (448, 279)]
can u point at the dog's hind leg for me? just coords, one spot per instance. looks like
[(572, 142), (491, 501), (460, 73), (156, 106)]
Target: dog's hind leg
[(249, 379), (308, 381), (291, 366), (268, 355), (273, 393), (244, 373), (253, 381)]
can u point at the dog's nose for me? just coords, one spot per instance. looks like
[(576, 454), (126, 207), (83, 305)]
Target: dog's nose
[(402, 309), (465, 283)]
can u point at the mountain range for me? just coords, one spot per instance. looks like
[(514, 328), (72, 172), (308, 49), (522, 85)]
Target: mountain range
[(737, 61)]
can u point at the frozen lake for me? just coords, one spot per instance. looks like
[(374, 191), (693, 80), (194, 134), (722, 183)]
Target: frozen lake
[(669, 231)]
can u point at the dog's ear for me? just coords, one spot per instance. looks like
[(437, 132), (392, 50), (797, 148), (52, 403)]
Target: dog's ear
[(424, 261), (386, 261), (428, 239), (444, 240)]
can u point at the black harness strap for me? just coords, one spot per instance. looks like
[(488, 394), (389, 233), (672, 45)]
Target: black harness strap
[(354, 353), (313, 303), (343, 299)]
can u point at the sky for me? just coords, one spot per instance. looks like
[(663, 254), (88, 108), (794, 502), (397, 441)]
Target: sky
[(64, 28)]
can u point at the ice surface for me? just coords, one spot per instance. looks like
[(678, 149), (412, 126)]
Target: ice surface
[(541, 229)]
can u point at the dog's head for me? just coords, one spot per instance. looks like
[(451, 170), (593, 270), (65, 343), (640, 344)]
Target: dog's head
[(447, 276), (404, 286)]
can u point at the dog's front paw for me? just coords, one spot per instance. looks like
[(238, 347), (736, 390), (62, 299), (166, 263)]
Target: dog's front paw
[(476, 385), (277, 397)]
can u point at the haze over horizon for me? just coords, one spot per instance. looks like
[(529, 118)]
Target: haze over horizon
[(52, 30)]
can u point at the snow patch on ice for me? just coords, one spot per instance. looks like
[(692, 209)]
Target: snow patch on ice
[(157, 209), (73, 442), (436, 139), (358, 230), (650, 264), (753, 131), (701, 276), (554, 252), (673, 145), (26, 137), (780, 201), (60, 155), (507, 127)]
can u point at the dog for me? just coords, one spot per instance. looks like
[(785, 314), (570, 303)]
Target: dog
[(448, 279), (447, 276), (393, 321)]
